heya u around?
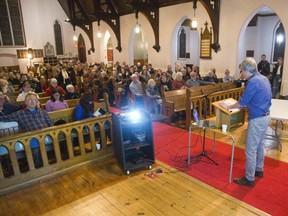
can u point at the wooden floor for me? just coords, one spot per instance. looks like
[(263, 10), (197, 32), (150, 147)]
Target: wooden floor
[(103, 189)]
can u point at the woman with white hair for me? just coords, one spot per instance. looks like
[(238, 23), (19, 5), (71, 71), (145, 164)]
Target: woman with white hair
[(71, 94), (178, 83)]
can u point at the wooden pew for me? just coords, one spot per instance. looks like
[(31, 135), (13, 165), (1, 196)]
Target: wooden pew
[(61, 147), (199, 102), (173, 102)]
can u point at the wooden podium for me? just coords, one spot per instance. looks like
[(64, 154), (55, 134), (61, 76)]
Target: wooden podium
[(224, 116)]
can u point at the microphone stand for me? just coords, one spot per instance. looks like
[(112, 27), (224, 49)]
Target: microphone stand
[(205, 124)]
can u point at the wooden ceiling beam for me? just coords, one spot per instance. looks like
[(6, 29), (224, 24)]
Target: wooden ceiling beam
[(150, 9)]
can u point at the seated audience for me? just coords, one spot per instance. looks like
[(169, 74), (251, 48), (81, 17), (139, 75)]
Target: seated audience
[(193, 81), (158, 74), (145, 73), (9, 84), (26, 89), (85, 108), (150, 69), (164, 82), (56, 102), (42, 85), (154, 98), (178, 83), (32, 117), (7, 108), (211, 77), (7, 128), (53, 84), (23, 79), (12, 78), (227, 77), (3, 86), (71, 94)]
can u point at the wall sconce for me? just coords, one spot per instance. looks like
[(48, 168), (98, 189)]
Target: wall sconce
[(30, 53), (137, 27), (194, 20), (99, 34)]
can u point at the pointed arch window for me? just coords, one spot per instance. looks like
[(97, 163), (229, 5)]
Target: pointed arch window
[(181, 44), (58, 38), (279, 43)]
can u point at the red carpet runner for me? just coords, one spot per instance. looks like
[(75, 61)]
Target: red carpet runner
[(270, 193)]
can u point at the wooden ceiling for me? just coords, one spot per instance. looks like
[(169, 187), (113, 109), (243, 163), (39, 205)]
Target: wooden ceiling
[(83, 13), (119, 7)]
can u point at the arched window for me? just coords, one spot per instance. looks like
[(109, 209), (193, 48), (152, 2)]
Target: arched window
[(279, 43), (58, 38), (181, 44)]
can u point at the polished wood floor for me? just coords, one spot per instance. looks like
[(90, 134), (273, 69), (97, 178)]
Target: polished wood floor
[(103, 189)]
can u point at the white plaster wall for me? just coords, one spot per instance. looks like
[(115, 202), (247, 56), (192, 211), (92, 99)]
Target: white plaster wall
[(39, 17)]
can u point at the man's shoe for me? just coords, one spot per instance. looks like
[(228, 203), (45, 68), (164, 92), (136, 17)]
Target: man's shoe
[(243, 181), (259, 174)]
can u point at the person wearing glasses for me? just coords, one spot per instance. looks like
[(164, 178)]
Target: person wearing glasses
[(257, 98), (30, 118), (56, 102)]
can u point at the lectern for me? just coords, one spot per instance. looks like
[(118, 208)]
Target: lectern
[(230, 117)]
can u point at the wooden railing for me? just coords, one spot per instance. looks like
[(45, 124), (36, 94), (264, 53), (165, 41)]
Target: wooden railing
[(30, 157), (175, 101), (200, 102)]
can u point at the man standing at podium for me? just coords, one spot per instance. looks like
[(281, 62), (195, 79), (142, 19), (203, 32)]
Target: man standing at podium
[(257, 98)]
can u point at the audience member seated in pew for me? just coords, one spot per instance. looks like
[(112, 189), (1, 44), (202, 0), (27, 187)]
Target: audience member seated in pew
[(193, 81), (227, 77), (153, 97), (166, 83), (26, 89), (85, 109), (210, 77), (7, 128), (71, 94), (29, 119), (178, 83), (7, 108), (53, 84), (56, 102)]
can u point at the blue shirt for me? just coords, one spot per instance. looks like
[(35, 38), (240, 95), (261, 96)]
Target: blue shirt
[(81, 114), (257, 96)]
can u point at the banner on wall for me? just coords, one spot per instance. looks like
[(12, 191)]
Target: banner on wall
[(110, 55)]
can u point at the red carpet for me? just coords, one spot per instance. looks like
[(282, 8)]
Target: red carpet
[(270, 193)]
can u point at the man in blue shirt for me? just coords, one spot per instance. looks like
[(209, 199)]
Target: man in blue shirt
[(257, 99)]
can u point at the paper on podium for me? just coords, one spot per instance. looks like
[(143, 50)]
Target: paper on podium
[(224, 104)]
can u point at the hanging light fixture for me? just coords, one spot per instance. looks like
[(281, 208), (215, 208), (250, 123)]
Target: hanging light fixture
[(99, 34), (194, 20), (74, 37), (137, 27)]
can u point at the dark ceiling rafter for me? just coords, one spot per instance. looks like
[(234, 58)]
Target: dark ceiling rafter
[(110, 11), (80, 19), (110, 16), (213, 9), (150, 9)]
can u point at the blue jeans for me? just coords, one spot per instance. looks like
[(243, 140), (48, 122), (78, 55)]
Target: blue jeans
[(275, 85), (254, 145)]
